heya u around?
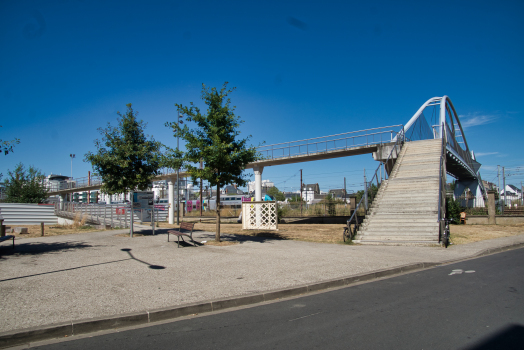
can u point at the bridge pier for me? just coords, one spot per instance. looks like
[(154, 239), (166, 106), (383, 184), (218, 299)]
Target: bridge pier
[(62, 201), (473, 185), (382, 153), (258, 182)]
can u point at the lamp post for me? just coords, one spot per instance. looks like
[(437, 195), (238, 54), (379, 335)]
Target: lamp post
[(178, 174), (72, 156)]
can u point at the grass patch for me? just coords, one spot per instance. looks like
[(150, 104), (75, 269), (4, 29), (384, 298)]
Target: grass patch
[(51, 230), (463, 234)]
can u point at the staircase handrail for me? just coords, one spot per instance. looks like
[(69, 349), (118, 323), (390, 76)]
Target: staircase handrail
[(399, 141)]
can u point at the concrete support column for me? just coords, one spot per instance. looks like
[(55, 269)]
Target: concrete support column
[(258, 182), (62, 201), (491, 208), (170, 194)]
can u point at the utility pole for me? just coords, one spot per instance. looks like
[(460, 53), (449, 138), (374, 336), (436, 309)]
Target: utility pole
[(504, 184), (498, 179), (345, 193), (300, 192)]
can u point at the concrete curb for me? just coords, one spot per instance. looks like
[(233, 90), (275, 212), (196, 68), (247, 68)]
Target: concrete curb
[(77, 327)]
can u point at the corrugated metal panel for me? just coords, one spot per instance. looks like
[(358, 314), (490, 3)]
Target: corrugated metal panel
[(27, 214)]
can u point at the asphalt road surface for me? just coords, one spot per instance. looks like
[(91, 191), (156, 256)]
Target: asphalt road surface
[(475, 304)]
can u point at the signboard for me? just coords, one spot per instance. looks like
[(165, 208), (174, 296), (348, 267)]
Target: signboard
[(143, 200)]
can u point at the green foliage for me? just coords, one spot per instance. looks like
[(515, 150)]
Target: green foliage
[(453, 209), (125, 159), (215, 142), (282, 211), (275, 193), (25, 186), (7, 146), (295, 199), (372, 192), (172, 159)]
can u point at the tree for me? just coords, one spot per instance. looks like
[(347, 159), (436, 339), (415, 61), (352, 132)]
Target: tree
[(126, 159), (296, 198), (215, 142), (275, 192), (25, 186), (7, 146)]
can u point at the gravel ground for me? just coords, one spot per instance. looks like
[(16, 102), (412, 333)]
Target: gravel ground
[(47, 280)]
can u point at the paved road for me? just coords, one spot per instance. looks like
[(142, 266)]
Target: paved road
[(474, 304)]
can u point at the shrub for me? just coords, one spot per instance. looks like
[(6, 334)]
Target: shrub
[(453, 209)]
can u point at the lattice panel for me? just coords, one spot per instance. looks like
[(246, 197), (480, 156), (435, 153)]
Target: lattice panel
[(259, 216)]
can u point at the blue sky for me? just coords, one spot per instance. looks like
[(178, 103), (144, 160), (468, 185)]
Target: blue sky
[(302, 69)]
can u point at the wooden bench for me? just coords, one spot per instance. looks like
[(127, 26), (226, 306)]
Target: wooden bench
[(186, 226), (5, 238)]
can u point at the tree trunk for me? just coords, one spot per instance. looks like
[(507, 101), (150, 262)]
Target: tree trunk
[(217, 233)]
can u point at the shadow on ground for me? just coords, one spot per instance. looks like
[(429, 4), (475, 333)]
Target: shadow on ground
[(36, 248), (201, 235), (258, 237)]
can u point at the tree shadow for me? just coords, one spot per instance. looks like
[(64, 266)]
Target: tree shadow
[(255, 237), (509, 338), (36, 248)]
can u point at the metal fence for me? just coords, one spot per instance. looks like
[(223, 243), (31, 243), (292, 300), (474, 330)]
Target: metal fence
[(113, 215), (27, 214)]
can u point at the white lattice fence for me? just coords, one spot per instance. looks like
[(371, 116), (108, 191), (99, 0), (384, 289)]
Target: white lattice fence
[(259, 216)]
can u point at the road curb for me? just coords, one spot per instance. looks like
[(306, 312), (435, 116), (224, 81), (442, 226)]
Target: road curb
[(77, 327)]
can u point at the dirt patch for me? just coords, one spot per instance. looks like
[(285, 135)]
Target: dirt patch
[(50, 230), (463, 234)]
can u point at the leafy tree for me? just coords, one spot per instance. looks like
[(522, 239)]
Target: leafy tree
[(296, 198), (25, 186), (372, 192), (275, 192), (7, 146), (126, 159), (215, 142)]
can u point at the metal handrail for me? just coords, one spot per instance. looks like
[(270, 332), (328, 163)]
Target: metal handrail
[(399, 140), (269, 150), (442, 157), (345, 133)]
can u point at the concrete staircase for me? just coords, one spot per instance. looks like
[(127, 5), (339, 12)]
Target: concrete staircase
[(405, 210)]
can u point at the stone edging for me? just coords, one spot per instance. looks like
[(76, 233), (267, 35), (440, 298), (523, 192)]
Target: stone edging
[(68, 329)]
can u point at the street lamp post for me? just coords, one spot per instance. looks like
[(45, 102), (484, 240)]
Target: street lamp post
[(177, 175), (72, 156)]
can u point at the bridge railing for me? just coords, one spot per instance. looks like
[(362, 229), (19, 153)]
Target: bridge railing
[(74, 183), (369, 192), (329, 143)]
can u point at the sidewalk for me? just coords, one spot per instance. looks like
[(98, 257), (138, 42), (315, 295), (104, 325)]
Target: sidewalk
[(63, 279)]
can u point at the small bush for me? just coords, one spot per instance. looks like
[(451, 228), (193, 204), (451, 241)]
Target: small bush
[(453, 209)]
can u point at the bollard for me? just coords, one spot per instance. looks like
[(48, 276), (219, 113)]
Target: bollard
[(2, 228), (42, 228)]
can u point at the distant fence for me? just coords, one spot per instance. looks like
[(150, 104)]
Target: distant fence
[(28, 214), (114, 215)]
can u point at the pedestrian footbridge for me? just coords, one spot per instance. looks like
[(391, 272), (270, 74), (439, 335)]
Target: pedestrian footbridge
[(410, 201), (416, 157)]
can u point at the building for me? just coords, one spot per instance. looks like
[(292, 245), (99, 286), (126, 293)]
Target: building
[(310, 193)]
